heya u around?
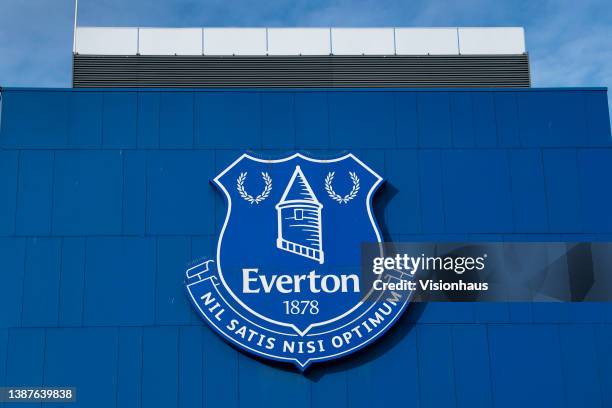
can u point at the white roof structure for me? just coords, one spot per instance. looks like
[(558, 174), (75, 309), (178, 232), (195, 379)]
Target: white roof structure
[(299, 41)]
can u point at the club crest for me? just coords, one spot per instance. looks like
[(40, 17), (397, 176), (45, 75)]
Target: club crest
[(285, 283)]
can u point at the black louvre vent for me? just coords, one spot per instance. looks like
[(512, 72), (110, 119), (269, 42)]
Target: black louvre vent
[(450, 71)]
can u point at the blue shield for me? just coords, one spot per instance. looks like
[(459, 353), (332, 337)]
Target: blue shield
[(287, 273)]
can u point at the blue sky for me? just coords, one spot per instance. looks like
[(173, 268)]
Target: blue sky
[(569, 42)]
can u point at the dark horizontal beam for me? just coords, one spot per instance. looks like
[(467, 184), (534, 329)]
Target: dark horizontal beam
[(301, 71)]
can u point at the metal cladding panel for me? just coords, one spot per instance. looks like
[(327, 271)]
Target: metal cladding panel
[(170, 41), (425, 41), (302, 71), (299, 41), (496, 40), (106, 41), (107, 199), (235, 41), (358, 41)]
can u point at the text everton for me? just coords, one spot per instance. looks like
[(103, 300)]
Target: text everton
[(255, 282)]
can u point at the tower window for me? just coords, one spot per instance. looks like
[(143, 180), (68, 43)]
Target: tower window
[(298, 214)]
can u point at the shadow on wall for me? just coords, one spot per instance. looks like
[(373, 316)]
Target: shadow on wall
[(383, 197), (371, 352), (386, 342)]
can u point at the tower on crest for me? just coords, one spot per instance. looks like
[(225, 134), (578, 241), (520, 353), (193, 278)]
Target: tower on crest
[(299, 219)]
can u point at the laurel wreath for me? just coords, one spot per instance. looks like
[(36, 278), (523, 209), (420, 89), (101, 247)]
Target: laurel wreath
[(337, 197), (264, 194)]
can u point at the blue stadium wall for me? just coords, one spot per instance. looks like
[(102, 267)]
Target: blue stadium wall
[(105, 198)]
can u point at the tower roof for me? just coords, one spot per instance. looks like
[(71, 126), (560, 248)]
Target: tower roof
[(298, 190)]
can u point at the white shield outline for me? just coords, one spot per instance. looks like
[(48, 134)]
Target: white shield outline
[(228, 199)]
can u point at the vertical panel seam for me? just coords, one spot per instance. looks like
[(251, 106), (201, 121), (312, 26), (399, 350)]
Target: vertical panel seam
[(146, 192), (6, 357), (598, 362), (59, 285), (261, 120), (44, 356), (215, 200), (68, 119), (193, 121), (102, 121), (6, 354), (450, 116), (202, 29), (203, 354), (346, 390), (118, 351), (156, 277), (440, 154), (329, 132), (396, 136), (139, 144), (386, 171), (294, 122), (497, 141), (518, 120), (23, 279), (561, 363), (420, 189), (418, 120), (159, 110), (418, 358), (512, 197), (473, 117), (52, 193), (123, 197), (453, 363), (579, 195), (84, 286), (178, 366), (458, 42), (237, 377), (546, 189), (489, 361), (142, 335), (17, 191)]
